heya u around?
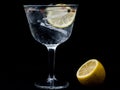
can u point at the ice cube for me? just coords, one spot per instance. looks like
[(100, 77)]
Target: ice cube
[(45, 24), (34, 16)]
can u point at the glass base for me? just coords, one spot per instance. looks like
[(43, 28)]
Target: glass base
[(52, 83)]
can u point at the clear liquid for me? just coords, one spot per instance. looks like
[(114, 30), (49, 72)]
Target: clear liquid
[(45, 33)]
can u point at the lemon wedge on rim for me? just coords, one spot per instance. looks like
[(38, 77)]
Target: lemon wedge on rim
[(61, 16)]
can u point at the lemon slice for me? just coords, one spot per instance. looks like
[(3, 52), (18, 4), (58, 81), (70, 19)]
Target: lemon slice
[(60, 17), (91, 73)]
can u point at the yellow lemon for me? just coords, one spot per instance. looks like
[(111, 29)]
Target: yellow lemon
[(91, 73), (61, 16)]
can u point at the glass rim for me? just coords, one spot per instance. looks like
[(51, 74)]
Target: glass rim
[(26, 5)]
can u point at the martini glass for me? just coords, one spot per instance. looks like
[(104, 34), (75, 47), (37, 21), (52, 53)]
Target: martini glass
[(51, 25)]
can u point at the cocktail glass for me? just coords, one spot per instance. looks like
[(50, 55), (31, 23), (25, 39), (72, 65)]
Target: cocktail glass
[(51, 25)]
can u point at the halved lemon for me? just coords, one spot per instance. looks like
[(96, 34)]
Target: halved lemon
[(61, 16), (92, 72)]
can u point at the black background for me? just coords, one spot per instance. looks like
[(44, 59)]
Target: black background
[(95, 35)]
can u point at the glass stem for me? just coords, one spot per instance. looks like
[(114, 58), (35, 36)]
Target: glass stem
[(51, 63)]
